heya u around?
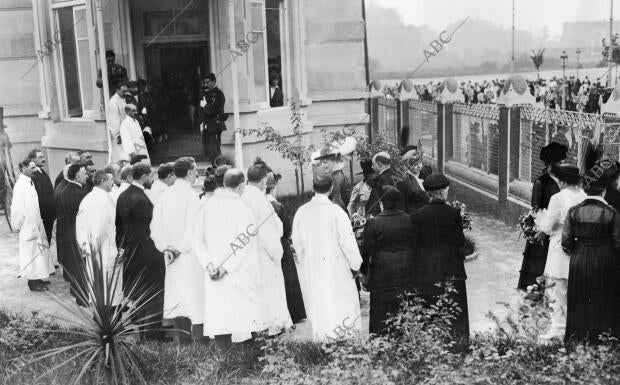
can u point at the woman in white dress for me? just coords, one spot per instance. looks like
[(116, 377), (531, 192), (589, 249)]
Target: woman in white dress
[(558, 262)]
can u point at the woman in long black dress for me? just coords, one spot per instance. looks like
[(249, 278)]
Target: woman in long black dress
[(388, 242), (591, 236), (439, 244), (294, 299), (535, 254)]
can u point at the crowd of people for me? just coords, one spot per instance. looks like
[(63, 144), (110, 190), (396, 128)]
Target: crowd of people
[(577, 245), (230, 263), (581, 95)]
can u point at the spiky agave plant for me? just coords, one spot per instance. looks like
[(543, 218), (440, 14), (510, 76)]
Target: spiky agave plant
[(108, 322)]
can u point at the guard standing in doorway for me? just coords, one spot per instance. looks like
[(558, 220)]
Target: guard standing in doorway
[(212, 116)]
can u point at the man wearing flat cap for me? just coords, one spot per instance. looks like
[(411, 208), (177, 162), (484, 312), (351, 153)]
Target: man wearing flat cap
[(439, 239)]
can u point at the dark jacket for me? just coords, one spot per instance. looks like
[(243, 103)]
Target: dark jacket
[(134, 212), (439, 242), (68, 197), (390, 177), (341, 190), (388, 240), (544, 187), (415, 197), (212, 114), (45, 192)]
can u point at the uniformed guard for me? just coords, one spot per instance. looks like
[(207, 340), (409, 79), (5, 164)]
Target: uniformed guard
[(212, 101)]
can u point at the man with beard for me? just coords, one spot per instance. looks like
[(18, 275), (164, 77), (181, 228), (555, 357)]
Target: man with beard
[(68, 199), (45, 192), (144, 269)]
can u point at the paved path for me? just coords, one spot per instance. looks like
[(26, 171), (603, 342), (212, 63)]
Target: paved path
[(492, 277)]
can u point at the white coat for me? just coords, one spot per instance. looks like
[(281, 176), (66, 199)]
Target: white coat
[(327, 252), (232, 303), (174, 217), (269, 232), (115, 115), (95, 232), (552, 224), (132, 138), (35, 261)]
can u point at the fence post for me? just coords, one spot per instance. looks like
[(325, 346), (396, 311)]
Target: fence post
[(374, 117), (403, 120), (503, 160), (515, 143), (448, 130), (441, 143)]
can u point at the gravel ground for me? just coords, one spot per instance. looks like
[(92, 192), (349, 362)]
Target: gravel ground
[(492, 277)]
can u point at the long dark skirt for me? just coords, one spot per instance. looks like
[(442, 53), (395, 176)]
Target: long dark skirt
[(460, 326), (294, 298), (534, 260), (593, 292), (72, 268), (384, 303)]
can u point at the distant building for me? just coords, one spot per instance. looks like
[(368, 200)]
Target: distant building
[(587, 36), (51, 56)]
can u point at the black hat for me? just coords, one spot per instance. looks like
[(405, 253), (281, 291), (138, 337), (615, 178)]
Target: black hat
[(435, 182), (553, 152), (408, 148), (390, 194), (366, 166), (567, 173)]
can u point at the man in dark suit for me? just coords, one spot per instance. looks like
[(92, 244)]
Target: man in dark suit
[(143, 265), (68, 197), (386, 176), (439, 242), (45, 192), (71, 158)]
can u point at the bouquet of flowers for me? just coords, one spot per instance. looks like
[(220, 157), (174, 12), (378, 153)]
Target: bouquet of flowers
[(465, 218), (358, 222), (529, 225)]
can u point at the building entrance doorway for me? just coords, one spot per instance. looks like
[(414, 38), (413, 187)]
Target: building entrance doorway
[(175, 69)]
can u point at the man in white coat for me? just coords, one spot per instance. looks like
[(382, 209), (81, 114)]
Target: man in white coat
[(35, 262), (227, 249), (165, 179), (131, 134), (115, 116), (328, 257), (174, 218), (269, 232), (95, 232)]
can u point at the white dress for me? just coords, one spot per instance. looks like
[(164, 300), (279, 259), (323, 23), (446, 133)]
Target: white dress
[(174, 217), (552, 223), (327, 251), (132, 138), (115, 115), (35, 261)]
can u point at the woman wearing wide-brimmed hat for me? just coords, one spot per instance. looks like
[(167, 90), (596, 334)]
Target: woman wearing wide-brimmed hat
[(545, 186), (415, 196)]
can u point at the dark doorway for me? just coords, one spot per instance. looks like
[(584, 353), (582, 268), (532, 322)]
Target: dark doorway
[(178, 68)]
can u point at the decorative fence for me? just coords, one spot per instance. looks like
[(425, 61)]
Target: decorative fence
[(492, 147)]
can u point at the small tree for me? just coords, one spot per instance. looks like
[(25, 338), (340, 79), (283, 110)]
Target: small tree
[(537, 59), (295, 150)]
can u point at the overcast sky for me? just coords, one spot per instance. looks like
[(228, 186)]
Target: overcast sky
[(530, 15)]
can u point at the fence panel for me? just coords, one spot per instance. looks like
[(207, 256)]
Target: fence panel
[(423, 125), (388, 111), (476, 136)]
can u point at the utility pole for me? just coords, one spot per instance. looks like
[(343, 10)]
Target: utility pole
[(512, 61), (611, 32), (564, 57)]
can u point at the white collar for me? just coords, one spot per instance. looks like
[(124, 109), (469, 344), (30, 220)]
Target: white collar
[(137, 185), (74, 182), (322, 197)]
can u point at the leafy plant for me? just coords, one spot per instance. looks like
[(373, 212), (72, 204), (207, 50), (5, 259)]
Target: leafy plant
[(295, 150), (105, 349)]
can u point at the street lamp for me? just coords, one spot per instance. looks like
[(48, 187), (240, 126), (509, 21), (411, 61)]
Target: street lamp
[(564, 57), (578, 52)]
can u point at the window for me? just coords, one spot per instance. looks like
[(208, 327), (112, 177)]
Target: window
[(274, 10), (74, 61)]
